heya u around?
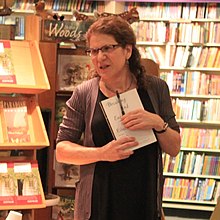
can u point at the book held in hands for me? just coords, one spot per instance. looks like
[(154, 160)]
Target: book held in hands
[(130, 101)]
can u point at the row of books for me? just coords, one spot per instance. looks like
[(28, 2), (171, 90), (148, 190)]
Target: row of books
[(192, 163), (192, 83), (196, 110), (207, 32), (87, 6), (191, 189), (175, 10), (18, 21), (20, 185), (182, 56), (200, 138)]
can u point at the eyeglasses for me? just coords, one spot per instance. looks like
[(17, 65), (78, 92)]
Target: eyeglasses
[(105, 49)]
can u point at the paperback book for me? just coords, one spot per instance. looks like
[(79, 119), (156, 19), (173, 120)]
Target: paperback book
[(20, 185), (16, 121), (7, 72), (129, 100)]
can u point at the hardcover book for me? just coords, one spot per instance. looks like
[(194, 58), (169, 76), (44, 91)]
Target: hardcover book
[(130, 100)]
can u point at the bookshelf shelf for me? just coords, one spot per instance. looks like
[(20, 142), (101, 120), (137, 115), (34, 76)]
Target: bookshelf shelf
[(29, 71), (209, 150), (198, 123), (178, 205), (207, 70), (187, 201), (196, 96), (191, 175)]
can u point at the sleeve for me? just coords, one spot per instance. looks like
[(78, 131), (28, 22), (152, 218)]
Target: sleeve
[(72, 125), (166, 108)]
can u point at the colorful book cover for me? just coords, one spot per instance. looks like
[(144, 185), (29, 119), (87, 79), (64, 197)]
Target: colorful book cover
[(72, 70), (16, 118), (20, 185), (60, 110), (66, 175), (7, 72), (65, 209)]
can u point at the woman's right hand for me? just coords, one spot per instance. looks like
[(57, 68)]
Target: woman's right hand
[(118, 149)]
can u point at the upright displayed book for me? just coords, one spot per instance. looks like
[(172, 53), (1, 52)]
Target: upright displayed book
[(7, 73), (20, 186), (65, 208), (16, 120), (130, 100), (66, 175), (72, 70)]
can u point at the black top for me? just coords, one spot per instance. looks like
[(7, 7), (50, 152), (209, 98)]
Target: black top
[(125, 189)]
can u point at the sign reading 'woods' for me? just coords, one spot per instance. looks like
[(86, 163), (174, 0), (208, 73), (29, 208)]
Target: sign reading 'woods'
[(67, 31)]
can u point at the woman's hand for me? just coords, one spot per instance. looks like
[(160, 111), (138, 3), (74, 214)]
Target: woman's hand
[(118, 149), (142, 119)]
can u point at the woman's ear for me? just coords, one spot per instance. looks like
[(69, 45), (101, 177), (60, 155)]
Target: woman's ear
[(128, 49)]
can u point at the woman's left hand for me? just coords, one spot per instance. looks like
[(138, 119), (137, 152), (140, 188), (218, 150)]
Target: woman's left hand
[(141, 119)]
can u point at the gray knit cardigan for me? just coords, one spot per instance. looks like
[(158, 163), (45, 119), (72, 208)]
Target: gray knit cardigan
[(78, 119)]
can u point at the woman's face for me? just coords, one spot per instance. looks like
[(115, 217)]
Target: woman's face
[(108, 57)]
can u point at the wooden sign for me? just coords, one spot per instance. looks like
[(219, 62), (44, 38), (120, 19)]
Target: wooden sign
[(64, 31)]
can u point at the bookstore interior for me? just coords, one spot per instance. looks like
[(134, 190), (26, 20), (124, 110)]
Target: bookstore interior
[(42, 54)]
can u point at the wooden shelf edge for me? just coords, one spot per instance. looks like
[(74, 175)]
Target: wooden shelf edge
[(188, 206)]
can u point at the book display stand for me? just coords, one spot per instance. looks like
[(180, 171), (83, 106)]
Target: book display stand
[(22, 130)]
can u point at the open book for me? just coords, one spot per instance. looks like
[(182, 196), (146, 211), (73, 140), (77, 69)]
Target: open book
[(130, 100)]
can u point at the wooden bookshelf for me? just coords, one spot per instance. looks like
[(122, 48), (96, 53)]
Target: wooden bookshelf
[(23, 79)]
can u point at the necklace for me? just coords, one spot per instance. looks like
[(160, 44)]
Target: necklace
[(113, 91)]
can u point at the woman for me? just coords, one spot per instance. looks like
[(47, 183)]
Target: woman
[(117, 183)]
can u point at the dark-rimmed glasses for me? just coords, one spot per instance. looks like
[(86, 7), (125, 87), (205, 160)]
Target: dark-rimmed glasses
[(105, 49)]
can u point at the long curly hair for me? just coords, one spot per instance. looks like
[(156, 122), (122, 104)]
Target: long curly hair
[(123, 33)]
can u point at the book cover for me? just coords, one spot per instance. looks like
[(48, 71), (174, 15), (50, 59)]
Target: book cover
[(65, 208), (7, 71), (16, 120), (130, 100), (60, 107), (20, 185), (66, 175), (72, 70)]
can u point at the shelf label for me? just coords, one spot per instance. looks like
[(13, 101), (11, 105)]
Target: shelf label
[(67, 31)]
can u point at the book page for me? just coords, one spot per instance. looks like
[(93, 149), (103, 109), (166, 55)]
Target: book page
[(130, 101)]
